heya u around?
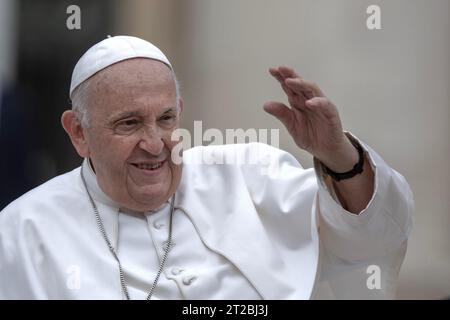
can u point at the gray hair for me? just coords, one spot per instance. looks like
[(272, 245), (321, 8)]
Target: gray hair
[(80, 97)]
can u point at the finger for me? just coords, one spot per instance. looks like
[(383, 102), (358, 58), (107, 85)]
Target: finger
[(277, 75), (273, 71), (305, 87), (295, 100), (315, 102), (282, 73), (322, 107), (280, 111), (288, 72)]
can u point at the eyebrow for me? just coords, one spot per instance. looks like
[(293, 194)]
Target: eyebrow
[(123, 115), (127, 114), (169, 110)]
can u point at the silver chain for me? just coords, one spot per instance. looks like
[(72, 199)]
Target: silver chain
[(113, 251)]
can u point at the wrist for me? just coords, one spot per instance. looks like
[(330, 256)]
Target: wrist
[(342, 159), (358, 168)]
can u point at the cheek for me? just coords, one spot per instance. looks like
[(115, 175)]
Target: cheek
[(175, 168), (167, 137), (170, 145), (176, 173), (113, 153)]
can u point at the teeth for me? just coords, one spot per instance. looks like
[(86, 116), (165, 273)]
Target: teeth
[(145, 166)]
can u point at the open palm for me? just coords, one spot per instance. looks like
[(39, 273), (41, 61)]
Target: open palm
[(312, 119)]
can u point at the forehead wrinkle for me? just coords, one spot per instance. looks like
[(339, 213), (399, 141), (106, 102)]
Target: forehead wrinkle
[(127, 80), (124, 88), (132, 93)]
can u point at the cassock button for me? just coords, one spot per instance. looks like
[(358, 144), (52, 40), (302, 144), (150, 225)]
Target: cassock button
[(158, 225), (176, 271), (189, 280)]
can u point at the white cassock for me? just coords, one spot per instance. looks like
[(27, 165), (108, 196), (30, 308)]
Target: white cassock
[(262, 230)]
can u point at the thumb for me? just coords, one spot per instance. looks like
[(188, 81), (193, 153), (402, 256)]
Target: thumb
[(279, 111)]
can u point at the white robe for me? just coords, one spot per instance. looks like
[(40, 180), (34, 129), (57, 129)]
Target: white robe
[(283, 230)]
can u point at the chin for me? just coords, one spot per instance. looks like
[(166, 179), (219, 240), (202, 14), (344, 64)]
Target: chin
[(151, 199)]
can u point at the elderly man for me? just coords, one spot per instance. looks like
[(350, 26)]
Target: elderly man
[(132, 223)]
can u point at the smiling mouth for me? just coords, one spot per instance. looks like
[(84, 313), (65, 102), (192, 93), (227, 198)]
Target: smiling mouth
[(148, 166)]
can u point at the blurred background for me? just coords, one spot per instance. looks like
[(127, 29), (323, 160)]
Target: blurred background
[(392, 87)]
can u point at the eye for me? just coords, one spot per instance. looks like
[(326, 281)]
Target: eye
[(126, 126), (129, 123), (167, 118)]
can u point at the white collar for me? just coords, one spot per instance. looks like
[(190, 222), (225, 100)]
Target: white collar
[(97, 193)]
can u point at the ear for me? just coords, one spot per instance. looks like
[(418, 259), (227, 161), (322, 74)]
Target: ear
[(73, 127)]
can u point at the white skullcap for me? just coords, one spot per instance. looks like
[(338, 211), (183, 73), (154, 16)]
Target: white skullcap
[(110, 51)]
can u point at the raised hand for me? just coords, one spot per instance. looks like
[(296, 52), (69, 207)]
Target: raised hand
[(312, 120)]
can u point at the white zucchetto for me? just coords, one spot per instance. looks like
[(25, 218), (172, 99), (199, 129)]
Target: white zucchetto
[(110, 51)]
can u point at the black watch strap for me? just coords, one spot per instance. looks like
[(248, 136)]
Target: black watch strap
[(357, 168)]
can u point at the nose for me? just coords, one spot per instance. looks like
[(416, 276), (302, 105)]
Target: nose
[(151, 141)]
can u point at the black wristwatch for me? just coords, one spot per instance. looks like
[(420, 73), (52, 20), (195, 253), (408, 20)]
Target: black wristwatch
[(357, 168)]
